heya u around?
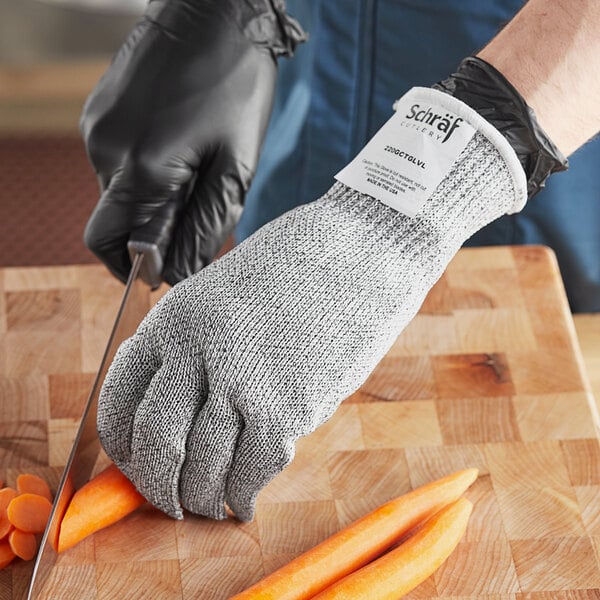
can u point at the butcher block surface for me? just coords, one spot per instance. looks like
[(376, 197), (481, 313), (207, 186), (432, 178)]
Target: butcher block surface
[(487, 375)]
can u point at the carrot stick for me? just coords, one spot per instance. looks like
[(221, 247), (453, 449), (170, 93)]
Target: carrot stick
[(359, 543), (405, 567), (27, 482), (29, 512), (102, 501), (6, 555), (23, 544)]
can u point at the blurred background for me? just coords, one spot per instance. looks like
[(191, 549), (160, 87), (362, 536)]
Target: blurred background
[(52, 52)]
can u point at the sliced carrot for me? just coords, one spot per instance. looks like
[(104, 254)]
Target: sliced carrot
[(29, 512), (6, 495), (61, 507), (359, 543), (405, 567), (29, 483), (5, 525), (23, 544), (102, 501), (6, 554)]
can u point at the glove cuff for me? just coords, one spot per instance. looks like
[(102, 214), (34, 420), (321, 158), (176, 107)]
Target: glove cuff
[(485, 128), (482, 87), (266, 23)]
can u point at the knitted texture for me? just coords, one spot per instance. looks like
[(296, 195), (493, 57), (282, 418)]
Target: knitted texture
[(202, 407)]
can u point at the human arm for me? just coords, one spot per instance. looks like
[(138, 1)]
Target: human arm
[(550, 51)]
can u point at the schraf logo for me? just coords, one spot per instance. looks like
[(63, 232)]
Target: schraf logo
[(445, 123)]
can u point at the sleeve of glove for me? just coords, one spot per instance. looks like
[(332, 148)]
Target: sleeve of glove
[(203, 407), (180, 117)]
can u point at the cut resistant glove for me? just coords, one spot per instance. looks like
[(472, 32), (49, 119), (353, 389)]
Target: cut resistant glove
[(202, 407), (175, 126)]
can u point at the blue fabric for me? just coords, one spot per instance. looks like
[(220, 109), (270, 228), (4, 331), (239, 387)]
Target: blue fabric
[(339, 89)]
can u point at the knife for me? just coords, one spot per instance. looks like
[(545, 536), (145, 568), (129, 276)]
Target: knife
[(146, 248)]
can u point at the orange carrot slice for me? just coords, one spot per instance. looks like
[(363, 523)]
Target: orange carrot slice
[(29, 512), (5, 525), (359, 543), (23, 544), (405, 567), (6, 495), (29, 483), (6, 555), (102, 501)]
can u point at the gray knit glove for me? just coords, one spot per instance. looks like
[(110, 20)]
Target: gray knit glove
[(202, 407)]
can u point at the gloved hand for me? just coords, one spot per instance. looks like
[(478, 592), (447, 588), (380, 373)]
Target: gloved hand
[(203, 405), (180, 116)]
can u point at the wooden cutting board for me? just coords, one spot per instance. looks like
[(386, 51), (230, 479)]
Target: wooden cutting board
[(487, 375)]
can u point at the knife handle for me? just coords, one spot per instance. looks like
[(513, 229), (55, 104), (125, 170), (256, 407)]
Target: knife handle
[(154, 238), (153, 264)]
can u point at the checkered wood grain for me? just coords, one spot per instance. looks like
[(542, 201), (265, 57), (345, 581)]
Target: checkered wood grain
[(487, 375)]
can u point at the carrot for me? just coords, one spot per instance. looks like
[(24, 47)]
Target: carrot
[(359, 543), (59, 512), (6, 555), (29, 512), (5, 525), (6, 495), (405, 567), (102, 501), (23, 544), (26, 482)]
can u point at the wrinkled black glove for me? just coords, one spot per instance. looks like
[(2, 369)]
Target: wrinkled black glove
[(481, 86), (175, 126)]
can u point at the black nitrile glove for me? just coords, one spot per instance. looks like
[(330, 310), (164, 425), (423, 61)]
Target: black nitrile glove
[(175, 126), (487, 91)]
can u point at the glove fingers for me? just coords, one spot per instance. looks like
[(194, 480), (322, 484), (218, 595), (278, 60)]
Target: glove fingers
[(107, 232), (123, 390), (259, 457), (210, 449), (161, 427), (118, 214), (214, 208)]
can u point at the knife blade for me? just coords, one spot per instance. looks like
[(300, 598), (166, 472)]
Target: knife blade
[(145, 270)]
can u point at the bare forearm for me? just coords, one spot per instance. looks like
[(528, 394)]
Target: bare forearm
[(550, 52)]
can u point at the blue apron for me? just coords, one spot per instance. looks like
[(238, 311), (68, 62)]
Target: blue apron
[(339, 88)]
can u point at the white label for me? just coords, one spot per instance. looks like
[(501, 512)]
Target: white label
[(410, 155)]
